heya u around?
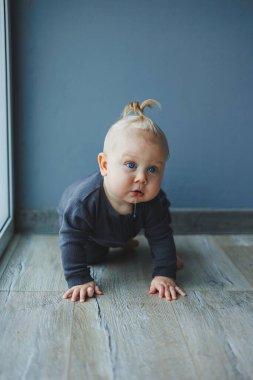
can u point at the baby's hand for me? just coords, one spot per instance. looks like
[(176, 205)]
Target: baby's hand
[(81, 291), (166, 287)]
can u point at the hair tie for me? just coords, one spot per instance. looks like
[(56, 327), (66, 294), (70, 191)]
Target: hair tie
[(136, 106)]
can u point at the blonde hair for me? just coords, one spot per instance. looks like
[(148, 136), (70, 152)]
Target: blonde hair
[(133, 117)]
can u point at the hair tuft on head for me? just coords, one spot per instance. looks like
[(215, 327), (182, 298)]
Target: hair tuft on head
[(138, 108), (133, 117)]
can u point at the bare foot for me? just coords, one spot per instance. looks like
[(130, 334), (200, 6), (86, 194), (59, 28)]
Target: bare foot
[(180, 263), (131, 244)]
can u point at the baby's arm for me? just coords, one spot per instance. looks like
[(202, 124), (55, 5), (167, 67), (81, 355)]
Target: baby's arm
[(161, 241), (166, 287), (74, 234), (81, 291)]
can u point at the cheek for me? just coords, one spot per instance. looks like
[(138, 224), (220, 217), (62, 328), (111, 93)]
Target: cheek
[(155, 184), (118, 181), (118, 177)]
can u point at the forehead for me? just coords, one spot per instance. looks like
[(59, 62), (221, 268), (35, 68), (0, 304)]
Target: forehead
[(133, 136), (136, 141)]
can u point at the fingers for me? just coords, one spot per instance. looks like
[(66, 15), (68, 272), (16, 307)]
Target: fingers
[(173, 292), (90, 291), (161, 290), (68, 293), (152, 290), (170, 290), (75, 294), (180, 291), (81, 292), (82, 295), (164, 291), (98, 291), (167, 294)]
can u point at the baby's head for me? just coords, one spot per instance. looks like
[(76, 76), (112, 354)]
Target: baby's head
[(133, 119), (134, 157)]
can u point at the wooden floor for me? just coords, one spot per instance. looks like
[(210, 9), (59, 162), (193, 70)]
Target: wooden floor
[(126, 333)]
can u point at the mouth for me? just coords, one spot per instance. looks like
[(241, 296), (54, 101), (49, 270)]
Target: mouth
[(137, 193)]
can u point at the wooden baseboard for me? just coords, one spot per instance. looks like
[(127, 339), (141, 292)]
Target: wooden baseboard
[(212, 221), (38, 221), (185, 221)]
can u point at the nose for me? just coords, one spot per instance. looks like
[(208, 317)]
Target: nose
[(141, 177)]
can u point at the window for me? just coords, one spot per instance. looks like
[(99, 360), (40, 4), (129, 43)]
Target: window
[(6, 203)]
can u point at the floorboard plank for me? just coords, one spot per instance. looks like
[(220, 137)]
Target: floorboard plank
[(34, 265), (234, 240), (218, 330), (5, 258), (144, 339), (35, 335), (127, 333), (90, 348), (207, 266), (240, 252), (137, 333), (126, 266)]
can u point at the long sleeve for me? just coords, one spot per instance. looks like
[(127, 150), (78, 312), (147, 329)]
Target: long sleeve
[(74, 232), (160, 237)]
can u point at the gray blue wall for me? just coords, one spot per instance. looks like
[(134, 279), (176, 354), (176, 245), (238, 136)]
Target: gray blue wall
[(77, 63)]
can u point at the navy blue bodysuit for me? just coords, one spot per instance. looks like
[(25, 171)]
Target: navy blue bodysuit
[(87, 216)]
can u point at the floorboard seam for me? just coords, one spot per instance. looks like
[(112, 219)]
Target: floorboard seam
[(31, 291), (186, 344), (104, 326), (70, 344), (107, 331)]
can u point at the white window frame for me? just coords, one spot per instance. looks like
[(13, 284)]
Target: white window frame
[(7, 227)]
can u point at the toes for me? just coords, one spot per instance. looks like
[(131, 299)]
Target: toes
[(180, 263)]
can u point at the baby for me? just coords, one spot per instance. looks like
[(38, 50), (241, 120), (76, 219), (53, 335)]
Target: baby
[(109, 208)]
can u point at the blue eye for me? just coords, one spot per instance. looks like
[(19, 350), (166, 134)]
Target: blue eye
[(152, 169), (131, 165)]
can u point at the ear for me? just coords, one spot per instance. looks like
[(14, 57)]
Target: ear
[(102, 162)]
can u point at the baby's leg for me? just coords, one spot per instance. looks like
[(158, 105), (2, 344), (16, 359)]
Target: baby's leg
[(96, 254)]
